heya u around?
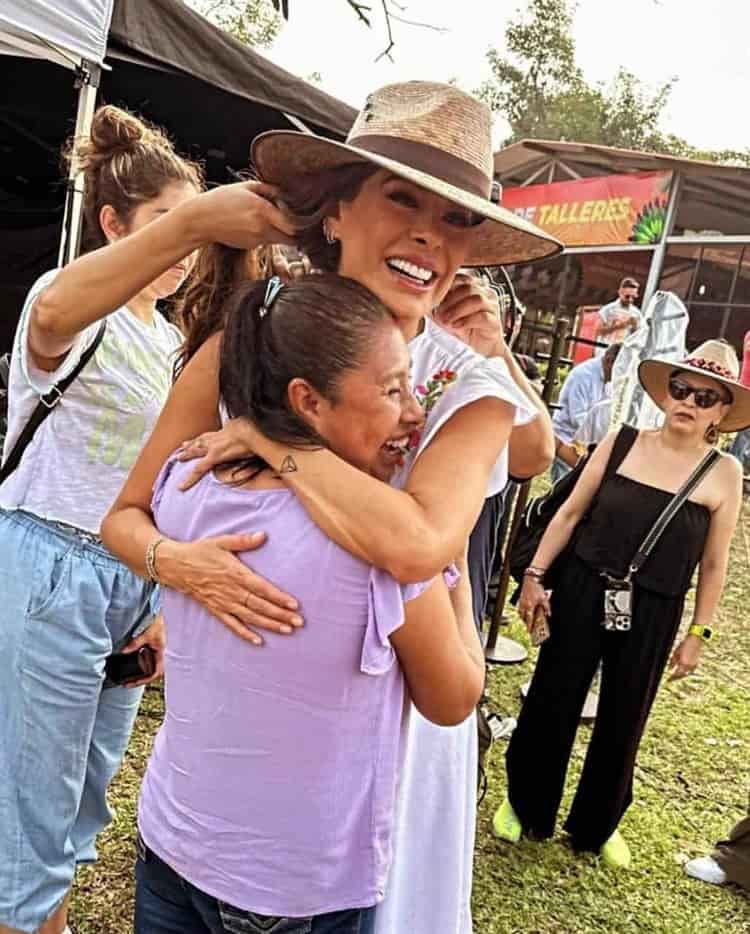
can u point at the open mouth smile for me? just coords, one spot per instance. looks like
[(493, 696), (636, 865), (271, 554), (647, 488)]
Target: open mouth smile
[(416, 275), (397, 446)]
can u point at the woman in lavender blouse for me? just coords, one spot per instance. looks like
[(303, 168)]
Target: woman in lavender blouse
[(268, 800)]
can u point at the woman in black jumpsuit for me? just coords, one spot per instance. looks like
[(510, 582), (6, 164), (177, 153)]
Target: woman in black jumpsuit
[(598, 529)]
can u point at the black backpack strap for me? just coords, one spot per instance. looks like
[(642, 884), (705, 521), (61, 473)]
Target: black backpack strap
[(670, 510), (46, 404)]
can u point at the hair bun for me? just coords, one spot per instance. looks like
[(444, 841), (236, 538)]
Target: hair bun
[(114, 130), (125, 162)]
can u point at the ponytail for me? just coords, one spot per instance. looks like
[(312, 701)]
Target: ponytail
[(316, 328)]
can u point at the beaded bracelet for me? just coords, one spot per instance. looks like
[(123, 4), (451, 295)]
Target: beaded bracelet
[(536, 574), (151, 559)]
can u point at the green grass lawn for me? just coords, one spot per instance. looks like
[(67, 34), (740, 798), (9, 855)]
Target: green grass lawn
[(691, 786)]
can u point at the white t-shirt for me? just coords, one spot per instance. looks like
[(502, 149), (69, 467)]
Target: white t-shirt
[(434, 351), (81, 455), (610, 311)]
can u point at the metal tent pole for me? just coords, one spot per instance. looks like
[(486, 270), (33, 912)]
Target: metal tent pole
[(88, 76), (500, 649), (660, 251)]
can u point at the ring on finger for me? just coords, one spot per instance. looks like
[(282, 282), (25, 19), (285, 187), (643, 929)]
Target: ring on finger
[(247, 597)]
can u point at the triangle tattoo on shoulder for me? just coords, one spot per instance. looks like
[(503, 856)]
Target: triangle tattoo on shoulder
[(288, 465)]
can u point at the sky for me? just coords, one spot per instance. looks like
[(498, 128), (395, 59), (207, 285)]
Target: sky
[(704, 45)]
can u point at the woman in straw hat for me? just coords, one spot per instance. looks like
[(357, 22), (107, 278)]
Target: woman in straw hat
[(630, 479), (399, 208)]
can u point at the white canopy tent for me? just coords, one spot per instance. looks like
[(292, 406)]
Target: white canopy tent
[(72, 33), (66, 33)]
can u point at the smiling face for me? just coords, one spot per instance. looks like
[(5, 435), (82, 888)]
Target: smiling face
[(402, 242), (374, 412), (684, 415)]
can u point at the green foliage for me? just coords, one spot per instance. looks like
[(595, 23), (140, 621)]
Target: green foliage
[(254, 22), (540, 90)]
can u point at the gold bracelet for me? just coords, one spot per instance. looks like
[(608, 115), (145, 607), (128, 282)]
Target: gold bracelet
[(151, 559)]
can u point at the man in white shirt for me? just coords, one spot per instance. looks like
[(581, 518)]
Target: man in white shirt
[(586, 386), (619, 318)]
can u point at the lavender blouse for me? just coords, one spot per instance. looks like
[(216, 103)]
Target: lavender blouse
[(272, 781)]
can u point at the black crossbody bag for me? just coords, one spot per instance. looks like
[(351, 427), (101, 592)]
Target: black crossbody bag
[(618, 595), (46, 404)]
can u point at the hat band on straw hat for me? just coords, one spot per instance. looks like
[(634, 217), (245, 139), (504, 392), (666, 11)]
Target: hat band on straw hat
[(428, 159), (710, 366)]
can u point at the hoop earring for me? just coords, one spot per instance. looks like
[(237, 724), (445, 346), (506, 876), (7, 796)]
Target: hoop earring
[(328, 234), (712, 434)]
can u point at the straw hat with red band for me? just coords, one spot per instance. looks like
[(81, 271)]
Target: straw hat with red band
[(427, 133), (713, 358)]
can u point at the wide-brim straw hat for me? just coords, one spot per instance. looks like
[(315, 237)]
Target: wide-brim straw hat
[(431, 134), (713, 358)]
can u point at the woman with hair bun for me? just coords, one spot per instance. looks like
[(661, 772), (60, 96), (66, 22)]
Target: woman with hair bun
[(67, 603)]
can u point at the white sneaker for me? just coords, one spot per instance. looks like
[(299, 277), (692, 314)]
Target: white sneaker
[(706, 869)]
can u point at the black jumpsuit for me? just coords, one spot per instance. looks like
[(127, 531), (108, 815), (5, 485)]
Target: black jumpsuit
[(622, 513)]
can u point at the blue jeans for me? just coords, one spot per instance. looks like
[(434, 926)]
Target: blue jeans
[(165, 903), (65, 604)]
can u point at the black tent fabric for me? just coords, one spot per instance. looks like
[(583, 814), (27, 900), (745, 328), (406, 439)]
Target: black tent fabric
[(169, 33), (211, 93)]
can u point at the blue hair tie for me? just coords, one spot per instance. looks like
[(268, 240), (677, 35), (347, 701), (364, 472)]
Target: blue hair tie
[(272, 290)]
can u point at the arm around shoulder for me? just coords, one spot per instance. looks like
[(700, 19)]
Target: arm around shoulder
[(414, 533)]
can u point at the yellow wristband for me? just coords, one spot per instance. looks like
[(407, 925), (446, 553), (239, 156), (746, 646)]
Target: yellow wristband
[(704, 633)]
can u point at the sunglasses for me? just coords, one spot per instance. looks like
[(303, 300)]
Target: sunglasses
[(704, 398)]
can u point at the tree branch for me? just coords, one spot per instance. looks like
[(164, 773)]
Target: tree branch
[(391, 43), (358, 8), (411, 22)]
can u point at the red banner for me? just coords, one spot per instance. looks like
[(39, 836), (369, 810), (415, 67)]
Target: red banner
[(596, 211)]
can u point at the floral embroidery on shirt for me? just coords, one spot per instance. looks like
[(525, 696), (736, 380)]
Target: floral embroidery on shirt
[(428, 394)]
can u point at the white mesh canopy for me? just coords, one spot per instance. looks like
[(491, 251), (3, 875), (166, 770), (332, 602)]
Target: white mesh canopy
[(62, 31)]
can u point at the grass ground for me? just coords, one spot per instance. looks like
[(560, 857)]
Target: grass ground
[(691, 786)]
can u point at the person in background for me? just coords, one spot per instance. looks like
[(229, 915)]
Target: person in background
[(620, 317), (586, 385), (730, 861), (741, 445), (67, 603), (597, 532), (531, 371)]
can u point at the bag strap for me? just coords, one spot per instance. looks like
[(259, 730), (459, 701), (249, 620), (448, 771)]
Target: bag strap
[(46, 404), (670, 510), (626, 438)]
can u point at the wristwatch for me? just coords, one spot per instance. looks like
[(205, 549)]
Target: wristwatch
[(704, 633)]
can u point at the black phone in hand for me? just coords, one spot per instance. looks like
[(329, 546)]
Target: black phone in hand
[(124, 667)]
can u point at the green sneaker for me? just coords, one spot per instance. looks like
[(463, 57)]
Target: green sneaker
[(615, 853), (505, 825)]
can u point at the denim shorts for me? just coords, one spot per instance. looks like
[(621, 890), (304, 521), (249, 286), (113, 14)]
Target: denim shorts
[(165, 902), (65, 604)]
